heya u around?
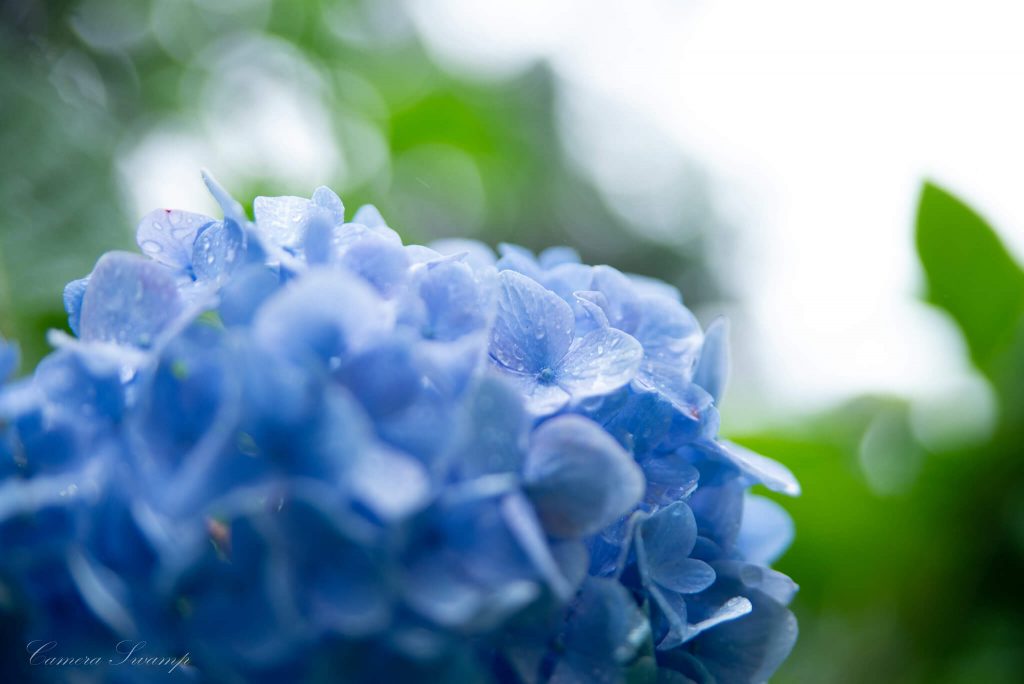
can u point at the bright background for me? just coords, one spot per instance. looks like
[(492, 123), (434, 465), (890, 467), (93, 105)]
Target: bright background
[(766, 157)]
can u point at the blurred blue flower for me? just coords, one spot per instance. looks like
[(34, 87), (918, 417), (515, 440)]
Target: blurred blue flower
[(296, 448)]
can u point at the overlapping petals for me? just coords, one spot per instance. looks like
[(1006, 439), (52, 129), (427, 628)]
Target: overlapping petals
[(299, 450)]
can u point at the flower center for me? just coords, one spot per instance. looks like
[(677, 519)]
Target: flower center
[(546, 376)]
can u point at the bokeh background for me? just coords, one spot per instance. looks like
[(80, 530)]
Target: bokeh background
[(768, 158)]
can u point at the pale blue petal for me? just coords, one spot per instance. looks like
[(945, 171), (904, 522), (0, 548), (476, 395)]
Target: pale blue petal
[(284, 219), (667, 538), (758, 468), (368, 215), (478, 254), (579, 479), (599, 363), (713, 368), (766, 531), (670, 478), (555, 256), (325, 198), (455, 302), (492, 438), (324, 314), (533, 328), (652, 287), (520, 260), (380, 262), (624, 308), (230, 206), (218, 249), (129, 300), (245, 292), (389, 483), (73, 294), (167, 236)]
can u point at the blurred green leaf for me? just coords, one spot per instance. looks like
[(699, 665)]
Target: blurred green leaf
[(969, 272)]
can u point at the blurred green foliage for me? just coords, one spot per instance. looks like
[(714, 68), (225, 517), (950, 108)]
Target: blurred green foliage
[(919, 583)]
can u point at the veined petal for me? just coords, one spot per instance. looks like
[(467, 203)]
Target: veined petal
[(284, 219), (601, 362), (129, 300), (167, 236), (533, 328), (218, 248)]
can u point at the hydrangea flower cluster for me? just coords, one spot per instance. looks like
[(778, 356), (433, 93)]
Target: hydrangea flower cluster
[(296, 449)]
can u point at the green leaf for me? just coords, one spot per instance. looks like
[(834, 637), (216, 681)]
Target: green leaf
[(969, 273)]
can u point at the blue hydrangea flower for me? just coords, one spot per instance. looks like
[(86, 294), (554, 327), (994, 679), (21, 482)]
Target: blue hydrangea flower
[(295, 448)]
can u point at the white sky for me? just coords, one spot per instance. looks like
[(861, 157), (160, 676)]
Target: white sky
[(817, 120)]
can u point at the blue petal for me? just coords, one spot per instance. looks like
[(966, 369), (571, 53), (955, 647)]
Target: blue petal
[(228, 204), (771, 583), (604, 633), (243, 295), (579, 479), (624, 308), (669, 477), (455, 302), (652, 287), (520, 260), (599, 363), (369, 216), (129, 300), (766, 531), (757, 468), (748, 648), (381, 263), (713, 367), (284, 219), (492, 438), (167, 235), (385, 377), (665, 541), (324, 315), (89, 386), (541, 399), (523, 523), (555, 256), (326, 199), (671, 339), (478, 254), (339, 581), (533, 328), (218, 248), (73, 294), (389, 483), (434, 589)]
